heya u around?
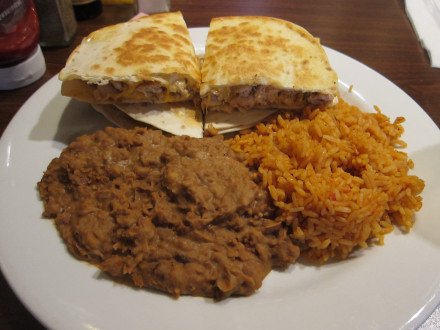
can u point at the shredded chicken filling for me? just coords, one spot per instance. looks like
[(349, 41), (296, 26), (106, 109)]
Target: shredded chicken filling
[(147, 91), (246, 97)]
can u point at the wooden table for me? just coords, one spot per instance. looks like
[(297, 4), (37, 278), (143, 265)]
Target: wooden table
[(375, 32)]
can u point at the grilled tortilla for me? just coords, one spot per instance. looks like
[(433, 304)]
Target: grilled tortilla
[(150, 59), (262, 62), (179, 118)]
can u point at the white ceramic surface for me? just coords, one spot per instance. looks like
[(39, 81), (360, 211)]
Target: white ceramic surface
[(384, 287)]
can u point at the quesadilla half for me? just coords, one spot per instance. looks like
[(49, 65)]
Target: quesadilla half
[(179, 118), (261, 62), (150, 59)]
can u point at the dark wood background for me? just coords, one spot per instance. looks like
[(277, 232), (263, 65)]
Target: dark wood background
[(375, 32)]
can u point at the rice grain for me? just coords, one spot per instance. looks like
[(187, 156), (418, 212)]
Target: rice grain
[(336, 176)]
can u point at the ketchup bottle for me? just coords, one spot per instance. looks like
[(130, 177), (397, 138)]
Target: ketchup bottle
[(21, 59)]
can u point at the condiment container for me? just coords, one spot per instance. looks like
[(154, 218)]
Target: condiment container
[(57, 22), (153, 6), (87, 9), (21, 59)]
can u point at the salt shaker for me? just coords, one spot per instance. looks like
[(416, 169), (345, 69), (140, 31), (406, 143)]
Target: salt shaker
[(57, 22), (153, 6)]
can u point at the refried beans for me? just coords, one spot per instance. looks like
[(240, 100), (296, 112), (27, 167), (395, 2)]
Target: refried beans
[(177, 214)]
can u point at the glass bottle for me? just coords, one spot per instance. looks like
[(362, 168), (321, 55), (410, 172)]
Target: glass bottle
[(87, 9)]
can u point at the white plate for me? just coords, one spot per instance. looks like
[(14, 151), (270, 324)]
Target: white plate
[(389, 287)]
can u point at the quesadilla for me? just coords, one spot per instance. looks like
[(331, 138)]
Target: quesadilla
[(179, 118), (261, 62), (150, 59)]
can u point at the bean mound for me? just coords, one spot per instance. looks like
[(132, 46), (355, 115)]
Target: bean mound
[(177, 214)]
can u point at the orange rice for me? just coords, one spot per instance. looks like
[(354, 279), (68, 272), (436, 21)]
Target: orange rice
[(336, 176)]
